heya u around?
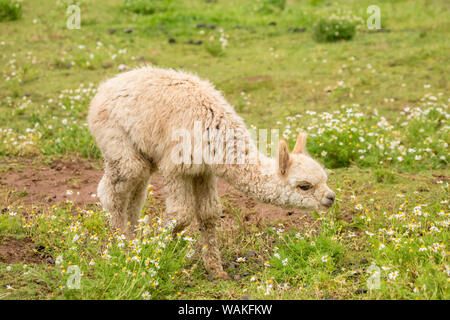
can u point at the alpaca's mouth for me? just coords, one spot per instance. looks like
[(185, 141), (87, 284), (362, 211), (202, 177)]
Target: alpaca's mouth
[(327, 204)]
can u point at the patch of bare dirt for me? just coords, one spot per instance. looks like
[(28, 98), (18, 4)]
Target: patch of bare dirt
[(48, 184), (21, 251)]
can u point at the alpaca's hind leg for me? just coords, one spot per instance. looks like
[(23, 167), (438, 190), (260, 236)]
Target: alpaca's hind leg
[(180, 201), (115, 190), (208, 211)]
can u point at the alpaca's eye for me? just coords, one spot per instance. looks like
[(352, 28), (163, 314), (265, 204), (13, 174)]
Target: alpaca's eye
[(305, 186)]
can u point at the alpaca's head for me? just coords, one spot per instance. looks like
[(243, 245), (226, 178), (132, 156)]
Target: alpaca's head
[(304, 180)]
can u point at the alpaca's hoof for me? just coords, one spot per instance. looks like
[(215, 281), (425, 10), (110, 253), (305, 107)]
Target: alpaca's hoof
[(130, 235), (223, 276)]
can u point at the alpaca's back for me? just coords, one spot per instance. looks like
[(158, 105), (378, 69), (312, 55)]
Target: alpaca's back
[(145, 106)]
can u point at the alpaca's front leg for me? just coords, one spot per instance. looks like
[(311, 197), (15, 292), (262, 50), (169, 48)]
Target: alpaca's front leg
[(211, 253), (208, 210), (180, 201), (114, 197), (124, 182), (137, 200)]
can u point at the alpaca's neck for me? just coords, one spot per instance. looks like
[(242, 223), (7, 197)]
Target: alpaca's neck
[(258, 180)]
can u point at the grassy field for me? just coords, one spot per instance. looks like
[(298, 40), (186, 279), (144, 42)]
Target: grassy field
[(375, 108)]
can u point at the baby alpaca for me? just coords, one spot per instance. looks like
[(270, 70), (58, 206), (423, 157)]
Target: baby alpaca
[(133, 118)]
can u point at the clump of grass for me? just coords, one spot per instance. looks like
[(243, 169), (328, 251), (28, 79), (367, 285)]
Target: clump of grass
[(335, 28), (10, 10), (10, 224), (61, 63), (215, 49), (217, 44), (271, 6), (71, 138), (146, 7), (384, 176)]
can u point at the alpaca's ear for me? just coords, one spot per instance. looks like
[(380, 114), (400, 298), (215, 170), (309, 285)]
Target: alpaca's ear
[(283, 157), (300, 145)]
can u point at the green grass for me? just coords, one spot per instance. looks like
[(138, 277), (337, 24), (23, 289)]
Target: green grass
[(335, 28), (10, 10), (375, 107)]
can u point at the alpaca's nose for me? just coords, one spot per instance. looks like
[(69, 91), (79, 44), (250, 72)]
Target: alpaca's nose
[(330, 197)]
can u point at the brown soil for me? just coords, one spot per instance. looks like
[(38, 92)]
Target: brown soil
[(48, 184), (25, 251)]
